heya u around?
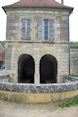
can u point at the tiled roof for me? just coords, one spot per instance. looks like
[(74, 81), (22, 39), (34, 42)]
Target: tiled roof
[(37, 3)]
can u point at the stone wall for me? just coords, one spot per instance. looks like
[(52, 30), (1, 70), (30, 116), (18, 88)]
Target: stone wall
[(74, 60), (8, 56), (4, 78), (26, 93), (42, 88), (69, 79), (37, 48), (37, 52), (2, 53)]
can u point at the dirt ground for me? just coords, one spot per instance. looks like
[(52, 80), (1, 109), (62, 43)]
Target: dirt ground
[(8, 109)]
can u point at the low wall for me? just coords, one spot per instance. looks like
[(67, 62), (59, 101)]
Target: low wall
[(30, 93), (70, 79), (42, 88), (4, 78)]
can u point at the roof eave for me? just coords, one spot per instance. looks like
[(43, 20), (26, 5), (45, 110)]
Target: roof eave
[(4, 9), (58, 7)]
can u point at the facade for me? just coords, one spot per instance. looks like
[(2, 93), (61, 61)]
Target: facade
[(2, 53), (37, 43), (74, 60)]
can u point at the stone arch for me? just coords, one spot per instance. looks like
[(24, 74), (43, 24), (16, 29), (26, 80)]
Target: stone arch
[(48, 69), (26, 69)]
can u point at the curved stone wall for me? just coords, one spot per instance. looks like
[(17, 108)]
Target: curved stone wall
[(26, 93), (42, 88)]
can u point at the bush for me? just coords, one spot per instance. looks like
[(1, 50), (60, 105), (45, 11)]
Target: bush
[(1, 64), (69, 102), (3, 43)]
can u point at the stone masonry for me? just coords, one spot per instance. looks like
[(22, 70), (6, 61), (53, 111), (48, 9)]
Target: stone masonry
[(58, 47), (74, 60)]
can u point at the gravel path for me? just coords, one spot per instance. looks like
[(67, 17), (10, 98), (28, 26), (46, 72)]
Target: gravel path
[(8, 109)]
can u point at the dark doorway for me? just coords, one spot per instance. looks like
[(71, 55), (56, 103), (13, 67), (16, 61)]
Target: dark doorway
[(48, 69), (26, 69)]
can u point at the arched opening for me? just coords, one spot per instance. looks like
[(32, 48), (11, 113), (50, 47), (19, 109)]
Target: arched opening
[(26, 69), (48, 69)]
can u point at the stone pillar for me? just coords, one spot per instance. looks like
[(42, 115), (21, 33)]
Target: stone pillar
[(36, 53), (37, 75), (34, 30)]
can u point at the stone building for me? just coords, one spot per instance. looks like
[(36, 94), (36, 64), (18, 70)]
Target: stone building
[(37, 42), (74, 60), (2, 53)]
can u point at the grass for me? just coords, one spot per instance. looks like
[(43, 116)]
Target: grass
[(69, 102), (73, 75)]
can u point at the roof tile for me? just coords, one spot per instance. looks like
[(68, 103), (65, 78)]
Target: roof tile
[(36, 3)]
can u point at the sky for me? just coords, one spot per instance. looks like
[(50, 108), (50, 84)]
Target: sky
[(73, 18)]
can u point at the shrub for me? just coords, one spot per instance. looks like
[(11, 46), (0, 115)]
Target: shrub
[(1, 64), (69, 102)]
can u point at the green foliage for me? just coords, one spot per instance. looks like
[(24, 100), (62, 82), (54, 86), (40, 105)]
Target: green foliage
[(73, 75), (74, 43), (69, 102), (3, 43), (5, 98), (1, 64)]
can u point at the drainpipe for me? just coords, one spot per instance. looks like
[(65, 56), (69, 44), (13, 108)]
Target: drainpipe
[(62, 1), (69, 45)]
